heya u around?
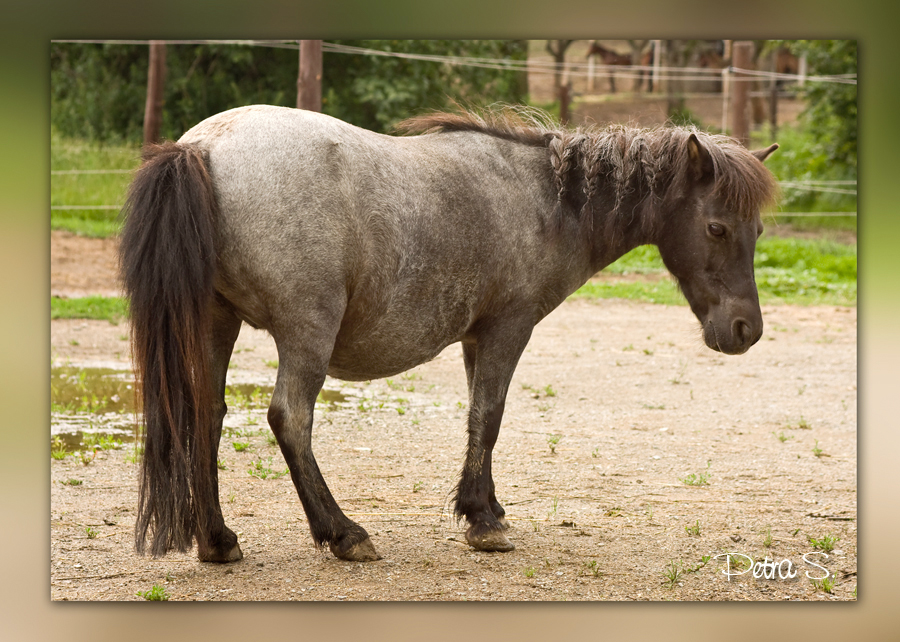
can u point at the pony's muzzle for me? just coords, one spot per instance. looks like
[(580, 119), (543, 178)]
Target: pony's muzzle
[(743, 334)]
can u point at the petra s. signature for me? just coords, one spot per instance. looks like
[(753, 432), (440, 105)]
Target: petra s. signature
[(770, 569)]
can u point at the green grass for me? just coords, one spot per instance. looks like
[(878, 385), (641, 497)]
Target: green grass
[(111, 309), (663, 291), (88, 189), (798, 159)]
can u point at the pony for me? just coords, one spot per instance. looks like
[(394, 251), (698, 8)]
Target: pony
[(364, 255), (609, 58)]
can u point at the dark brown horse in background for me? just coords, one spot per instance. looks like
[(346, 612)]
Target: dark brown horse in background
[(364, 255), (609, 58)]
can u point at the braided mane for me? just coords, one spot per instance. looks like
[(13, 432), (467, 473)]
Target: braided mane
[(652, 162)]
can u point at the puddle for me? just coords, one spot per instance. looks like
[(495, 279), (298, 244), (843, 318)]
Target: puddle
[(332, 397), (91, 390), (91, 406)]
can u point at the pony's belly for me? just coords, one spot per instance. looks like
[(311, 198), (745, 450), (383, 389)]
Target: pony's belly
[(368, 360)]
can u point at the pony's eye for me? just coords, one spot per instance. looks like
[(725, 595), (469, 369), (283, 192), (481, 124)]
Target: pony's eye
[(716, 230)]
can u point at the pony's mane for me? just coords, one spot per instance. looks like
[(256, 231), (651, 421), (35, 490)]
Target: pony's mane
[(654, 162)]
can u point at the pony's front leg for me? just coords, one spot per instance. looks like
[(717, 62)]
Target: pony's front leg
[(490, 363), (469, 350), (301, 373)]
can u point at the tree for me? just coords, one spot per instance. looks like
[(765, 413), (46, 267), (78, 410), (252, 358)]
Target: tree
[(557, 49), (99, 91), (376, 92), (830, 113)]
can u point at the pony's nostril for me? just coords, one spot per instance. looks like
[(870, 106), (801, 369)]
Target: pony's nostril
[(742, 331)]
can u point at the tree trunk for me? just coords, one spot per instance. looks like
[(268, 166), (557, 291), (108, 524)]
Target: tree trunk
[(156, 83), (557, 49), (309, 80)]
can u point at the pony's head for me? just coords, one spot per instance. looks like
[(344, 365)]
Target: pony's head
[(707, 242)]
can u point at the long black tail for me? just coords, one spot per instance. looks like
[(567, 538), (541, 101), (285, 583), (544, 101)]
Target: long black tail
[(167, 260)]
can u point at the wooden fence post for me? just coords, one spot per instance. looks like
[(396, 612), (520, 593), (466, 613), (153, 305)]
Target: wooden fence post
[(564, 100), (740, 92), (657, 62), (156, 83), (309, 80)]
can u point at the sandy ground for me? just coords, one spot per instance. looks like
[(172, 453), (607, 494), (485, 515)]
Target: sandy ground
[(635, 404)]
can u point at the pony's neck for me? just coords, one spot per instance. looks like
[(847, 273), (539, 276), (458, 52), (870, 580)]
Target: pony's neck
[(618, 230)]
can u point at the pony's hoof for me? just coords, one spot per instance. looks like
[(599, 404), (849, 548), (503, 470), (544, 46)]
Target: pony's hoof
[(492, 540), (222, 557), (363, 551)]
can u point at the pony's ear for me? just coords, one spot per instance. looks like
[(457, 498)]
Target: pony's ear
[(701, 161), (763, 154)]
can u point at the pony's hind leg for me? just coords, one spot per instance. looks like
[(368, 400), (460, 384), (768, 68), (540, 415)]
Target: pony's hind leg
[(219, 543), (302, 363), (490, 364)]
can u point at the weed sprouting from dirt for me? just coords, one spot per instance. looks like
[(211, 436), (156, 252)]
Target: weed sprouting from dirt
[(704, 560), (554, 506), (818, 452), (826, 584), (155, 594), (58, 448), (694, 529), (552, 440), (672, 573), (698, 479), (826, 543), (262, 471), (593, 568), (101, 442)]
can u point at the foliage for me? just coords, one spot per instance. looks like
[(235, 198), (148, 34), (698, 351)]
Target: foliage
[(831, 111), (376, 92), (800, 158), (98, 91)]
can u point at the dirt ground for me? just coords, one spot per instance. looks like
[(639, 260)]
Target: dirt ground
[(613, 405)]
